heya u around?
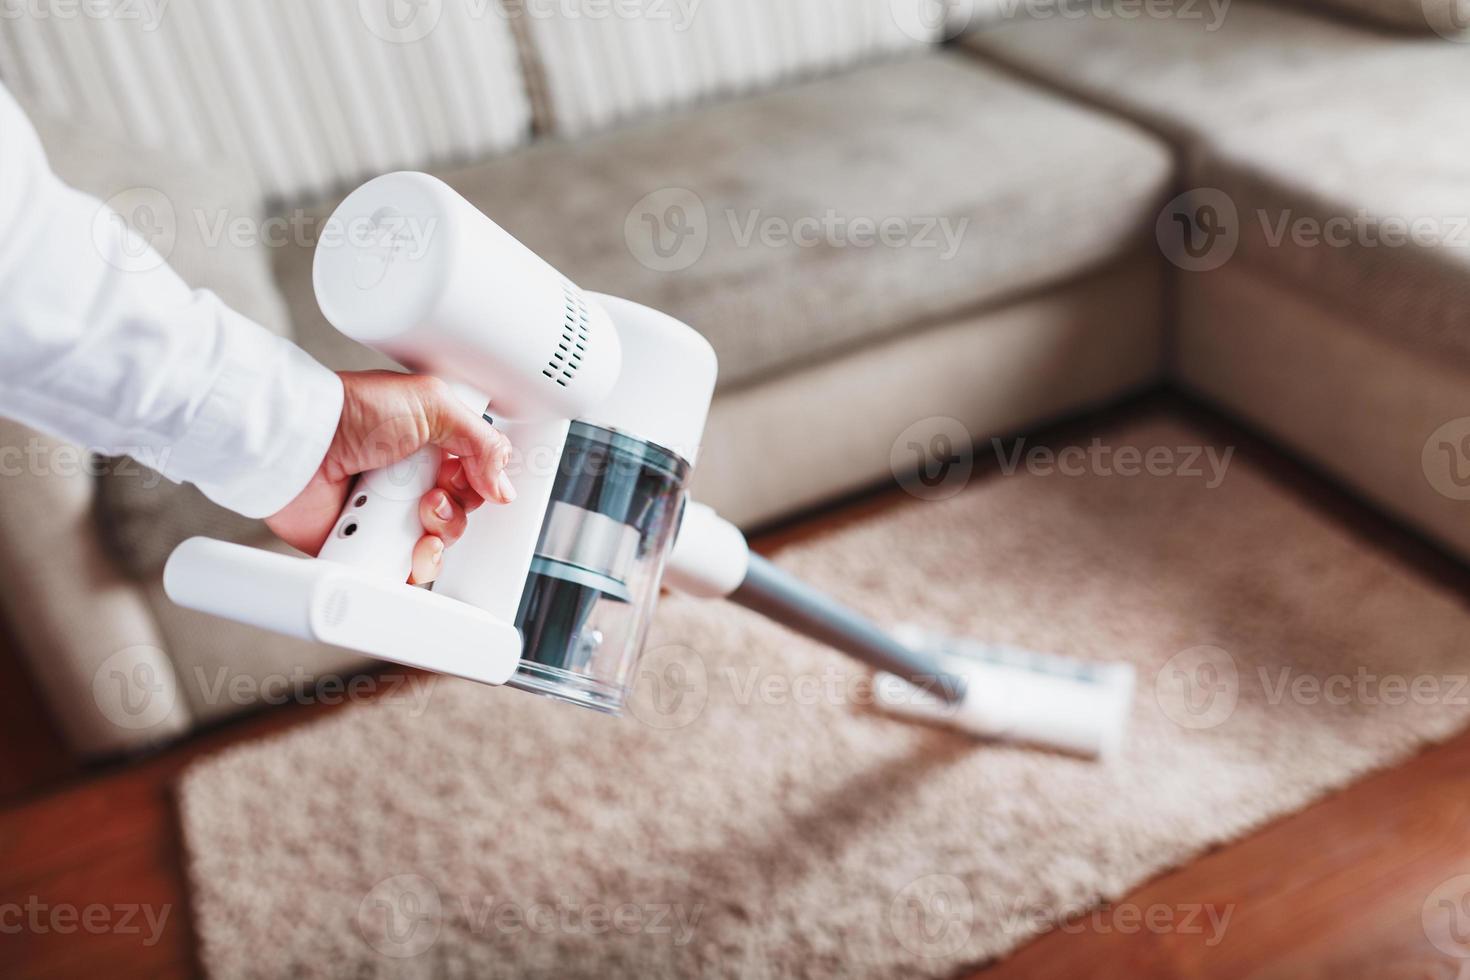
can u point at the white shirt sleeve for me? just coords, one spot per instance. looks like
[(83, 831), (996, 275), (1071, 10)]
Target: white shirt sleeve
[(103, 344)]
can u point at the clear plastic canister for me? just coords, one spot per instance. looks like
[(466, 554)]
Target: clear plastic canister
[(595, 578)]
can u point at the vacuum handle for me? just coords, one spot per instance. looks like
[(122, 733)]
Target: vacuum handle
[(379, 527)]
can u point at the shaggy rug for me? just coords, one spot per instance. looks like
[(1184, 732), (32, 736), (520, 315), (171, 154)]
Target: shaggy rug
[(753, 816)]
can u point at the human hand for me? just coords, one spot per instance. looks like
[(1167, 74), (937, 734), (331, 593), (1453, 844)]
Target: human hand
[(387, 417)]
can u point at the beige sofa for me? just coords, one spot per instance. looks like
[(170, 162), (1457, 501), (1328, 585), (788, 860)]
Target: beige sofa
[(1030, 171)]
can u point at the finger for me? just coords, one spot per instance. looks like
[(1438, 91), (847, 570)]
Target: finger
[(483, 451), (442, 516), (428, 558), (452, 480)]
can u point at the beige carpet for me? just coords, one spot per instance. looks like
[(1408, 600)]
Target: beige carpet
[(756, 822)]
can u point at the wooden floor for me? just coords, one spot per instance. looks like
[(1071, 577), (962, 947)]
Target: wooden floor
[(1334, 891)]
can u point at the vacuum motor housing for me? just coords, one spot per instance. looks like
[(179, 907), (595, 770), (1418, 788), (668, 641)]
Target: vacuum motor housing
[(604, 401)]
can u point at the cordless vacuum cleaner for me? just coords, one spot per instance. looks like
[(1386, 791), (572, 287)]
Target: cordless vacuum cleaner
[(605, 402)]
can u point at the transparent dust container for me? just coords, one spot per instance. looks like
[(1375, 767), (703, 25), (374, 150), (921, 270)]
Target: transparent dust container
[(595, 577)]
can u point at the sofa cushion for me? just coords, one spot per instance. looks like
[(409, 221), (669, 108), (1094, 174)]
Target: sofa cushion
[(660, 54), (1189, 74), (1338, 153), (790, 444), (1374, 414), (804, 222), (308, 95), (1362, 204), (86, 631)]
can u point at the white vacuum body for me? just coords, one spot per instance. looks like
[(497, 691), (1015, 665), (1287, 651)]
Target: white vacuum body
[(605, 403), (554, 591)]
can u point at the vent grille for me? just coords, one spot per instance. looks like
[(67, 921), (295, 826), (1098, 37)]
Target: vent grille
[(566, 360), (338, 607)]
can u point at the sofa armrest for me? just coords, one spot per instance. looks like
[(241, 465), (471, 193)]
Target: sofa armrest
[(86, 631)]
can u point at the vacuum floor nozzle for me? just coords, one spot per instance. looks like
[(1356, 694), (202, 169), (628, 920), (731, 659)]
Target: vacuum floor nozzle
[(1016, 695)]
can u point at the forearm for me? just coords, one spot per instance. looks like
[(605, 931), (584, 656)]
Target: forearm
[(101, 343)]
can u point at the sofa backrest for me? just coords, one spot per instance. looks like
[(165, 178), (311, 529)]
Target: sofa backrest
[(313, 95), (316, 95), (606, 61)]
